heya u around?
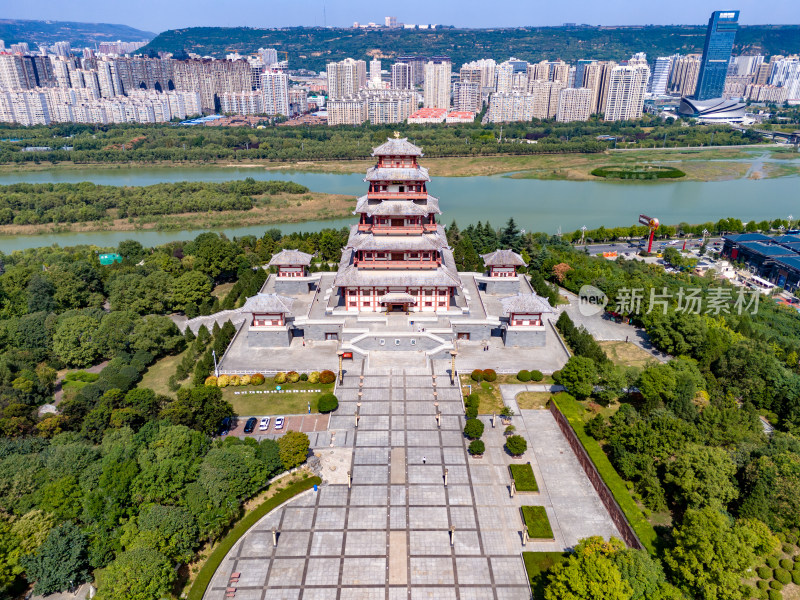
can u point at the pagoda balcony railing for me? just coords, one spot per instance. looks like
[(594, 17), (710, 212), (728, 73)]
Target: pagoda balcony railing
[(397, 229), (397, 195), (397, 264)]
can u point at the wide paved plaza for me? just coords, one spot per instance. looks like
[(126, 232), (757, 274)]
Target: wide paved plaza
[(398, 532)]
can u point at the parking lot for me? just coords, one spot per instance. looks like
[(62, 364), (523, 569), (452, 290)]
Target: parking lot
[(305, 423)]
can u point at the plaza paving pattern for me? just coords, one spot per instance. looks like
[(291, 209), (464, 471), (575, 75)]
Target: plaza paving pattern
[(388, 536)]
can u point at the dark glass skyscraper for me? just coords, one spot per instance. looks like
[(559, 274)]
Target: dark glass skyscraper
[(722, 27)]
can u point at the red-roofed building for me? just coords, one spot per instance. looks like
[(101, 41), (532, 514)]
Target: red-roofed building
[(428, 115), (460, 116)]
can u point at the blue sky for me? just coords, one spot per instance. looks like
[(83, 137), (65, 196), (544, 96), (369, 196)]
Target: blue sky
[(158, 15)]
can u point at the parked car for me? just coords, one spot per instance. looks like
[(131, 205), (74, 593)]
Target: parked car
[(225, 426), (264, 425), (278, 423), (250, 425)]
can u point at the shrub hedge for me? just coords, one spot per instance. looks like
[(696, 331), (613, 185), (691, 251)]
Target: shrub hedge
[(327, 376), (524, 376), (536, 375), (477, 447), (473, 429), (516, 445), (764, 572), (476, 375), (783, 576), (327, 403), (489, 375), (640, 172)]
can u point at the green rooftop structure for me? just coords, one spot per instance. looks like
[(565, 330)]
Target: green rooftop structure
[(110, 259)]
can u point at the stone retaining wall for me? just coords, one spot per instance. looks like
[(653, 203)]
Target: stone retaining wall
[(614, 510)]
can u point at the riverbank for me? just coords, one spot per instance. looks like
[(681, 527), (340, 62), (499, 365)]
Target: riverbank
[(700, 164), (280, 209)]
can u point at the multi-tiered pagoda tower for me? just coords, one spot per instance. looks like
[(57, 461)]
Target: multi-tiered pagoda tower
[(397, 257)]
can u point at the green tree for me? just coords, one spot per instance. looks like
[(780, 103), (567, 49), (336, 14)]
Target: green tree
[(76, 341), (579, 376), (157, 335), (169, 529), (200, 408), (701, 476), (589, 574), (712, 553), (60, 562), (293, 447), (116, 332), (137, 574), (190, 288)]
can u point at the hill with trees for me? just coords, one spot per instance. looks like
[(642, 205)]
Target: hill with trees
[(77, 34), (312, 47)]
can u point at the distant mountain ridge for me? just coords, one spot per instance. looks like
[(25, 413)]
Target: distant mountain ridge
[(312, 47), (77, 34)]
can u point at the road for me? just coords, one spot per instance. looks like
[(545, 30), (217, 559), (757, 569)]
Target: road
[(625, 247)]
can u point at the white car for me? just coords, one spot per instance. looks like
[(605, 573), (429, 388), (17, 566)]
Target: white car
[(278, 423), (264, 425)]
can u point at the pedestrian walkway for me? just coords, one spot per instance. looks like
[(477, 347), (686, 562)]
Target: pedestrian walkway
[(398, 532)]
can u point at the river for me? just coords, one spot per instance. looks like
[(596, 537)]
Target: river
[(536, 205)]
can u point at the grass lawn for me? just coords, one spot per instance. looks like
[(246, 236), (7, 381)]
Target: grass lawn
[(537, 522), (491, 401), (626, 354), (275, 404), (537, 565), (222, 290), (524, 478), (533, 400), (574, 412), (157, 376)]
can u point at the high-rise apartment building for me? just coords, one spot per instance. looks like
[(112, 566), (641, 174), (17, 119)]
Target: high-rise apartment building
[(346, 77), (375, 70), (402, 76), (437, 83), (684, 73), (596, 77), (626, 90), (483, 72), (347, 111), (721, 33), (417, 64), (574, 104), (660, 78), (467, 96), (275, 93), (544, 98), (747, 65), (12, 73)]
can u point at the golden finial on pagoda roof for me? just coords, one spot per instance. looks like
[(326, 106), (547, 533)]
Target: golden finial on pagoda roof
[(397, 134)]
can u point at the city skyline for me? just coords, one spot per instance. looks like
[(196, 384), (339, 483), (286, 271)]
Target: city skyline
[(157, 16)]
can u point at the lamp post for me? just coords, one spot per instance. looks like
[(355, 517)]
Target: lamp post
[(446, 471), (583, 234), (453, 354), (349, 479), (513, 488), (437, 414), (452, 535), (358, 412), (274, 537), (340, 354)]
